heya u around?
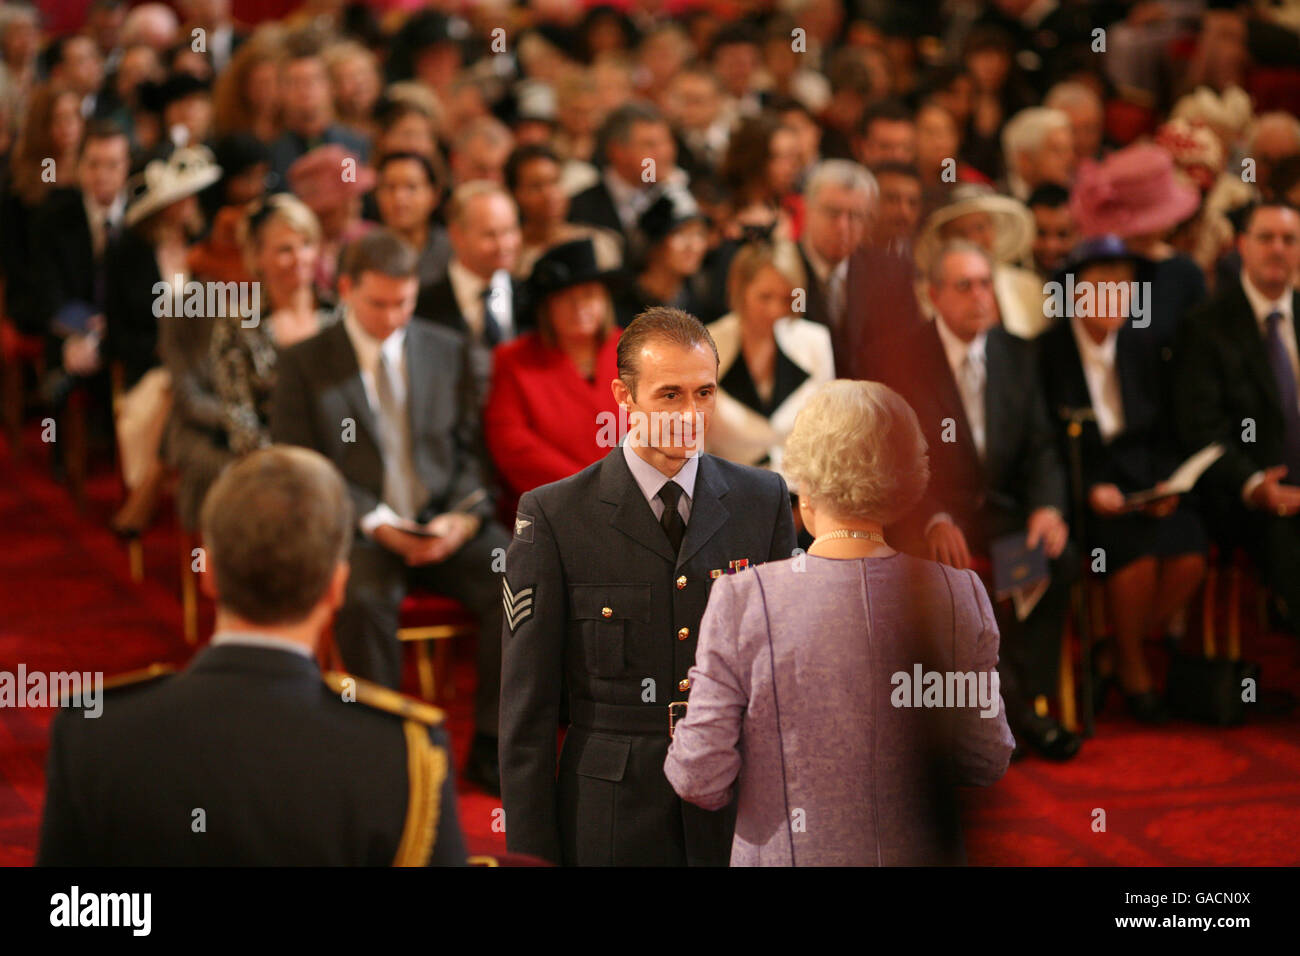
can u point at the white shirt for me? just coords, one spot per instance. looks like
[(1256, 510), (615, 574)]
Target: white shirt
[(368, 349), (468, 288), (629, 201), (1263, 307), (253, 639), (956, 351), (650, 479), (99, 218), (1102, 376), (830, 275)]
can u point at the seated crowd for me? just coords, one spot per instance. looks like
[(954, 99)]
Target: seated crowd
[(424, 251)]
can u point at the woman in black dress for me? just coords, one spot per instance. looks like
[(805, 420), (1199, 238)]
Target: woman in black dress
[(1154, 556)]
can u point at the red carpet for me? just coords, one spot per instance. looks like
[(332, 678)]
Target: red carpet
[(1186, 794)]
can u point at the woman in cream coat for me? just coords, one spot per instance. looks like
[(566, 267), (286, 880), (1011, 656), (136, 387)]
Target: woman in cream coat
[(769, 363)]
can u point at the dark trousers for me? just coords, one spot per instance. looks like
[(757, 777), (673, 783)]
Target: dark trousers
[(1029, 655), (366, 627)]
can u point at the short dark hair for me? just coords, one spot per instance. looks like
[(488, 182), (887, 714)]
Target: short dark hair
[(527, 153), (617, 127), (379, 251), (887, 111), (1050, 195), (420, 160), (896, 169), (101, 129), (275, 525), (1247, 215), (658, 322)]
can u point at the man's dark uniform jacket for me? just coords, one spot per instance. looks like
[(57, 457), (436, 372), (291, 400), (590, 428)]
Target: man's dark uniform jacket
[(285, 769), (599, 610)]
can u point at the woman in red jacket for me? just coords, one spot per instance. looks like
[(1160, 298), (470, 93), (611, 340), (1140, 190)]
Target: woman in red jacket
[(549, 386)]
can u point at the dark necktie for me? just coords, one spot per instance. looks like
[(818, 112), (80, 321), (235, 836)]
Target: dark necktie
[(671, 521), (491, 330), (1283, 373)]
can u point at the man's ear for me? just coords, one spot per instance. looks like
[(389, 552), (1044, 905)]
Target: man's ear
[(207, 582), (622, 394), (338, 586), (345, 286)]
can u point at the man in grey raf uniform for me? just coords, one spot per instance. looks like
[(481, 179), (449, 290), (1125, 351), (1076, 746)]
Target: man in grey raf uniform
[(606, 580)]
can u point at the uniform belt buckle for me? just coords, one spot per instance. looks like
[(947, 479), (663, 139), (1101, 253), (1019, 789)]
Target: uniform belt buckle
[(676, 711)]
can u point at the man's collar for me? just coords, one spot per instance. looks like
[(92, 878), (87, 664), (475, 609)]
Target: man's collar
[(257, 639), (821, 267), (650, 479), (1261, 304), (368, 347), (954, 348)]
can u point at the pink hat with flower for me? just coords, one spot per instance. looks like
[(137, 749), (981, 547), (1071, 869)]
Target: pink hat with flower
[(1132, 192)]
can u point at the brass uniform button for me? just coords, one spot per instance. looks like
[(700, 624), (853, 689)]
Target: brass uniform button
[(606, 612), (681, 582), (684, 684), (683, 634)]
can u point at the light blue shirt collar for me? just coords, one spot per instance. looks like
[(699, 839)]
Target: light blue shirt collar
[(650, 479), (254, 639)]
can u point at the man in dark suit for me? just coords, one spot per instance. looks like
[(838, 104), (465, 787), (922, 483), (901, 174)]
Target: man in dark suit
[(235, 760), (1235, 383), (308, 111), (478, 298), (640, 154), (839, 198), (995, 470), (71, 233), (392, 403), (606, 582)]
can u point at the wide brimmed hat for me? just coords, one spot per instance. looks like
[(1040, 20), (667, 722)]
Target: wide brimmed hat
[(1103, 248), (186, 172), (566, 265), (672, 210), (1013, 223), (1132, 192)]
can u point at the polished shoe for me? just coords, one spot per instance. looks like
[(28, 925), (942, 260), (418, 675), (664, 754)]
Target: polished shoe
[(1050, 739), (483, 766), (1147, 708)]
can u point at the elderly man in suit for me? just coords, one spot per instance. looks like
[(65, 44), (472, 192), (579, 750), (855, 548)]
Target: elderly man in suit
[(606, 581), (1235, 383), (995, 471), (840, 196), (392, 403), (478, 297), (235, 760)]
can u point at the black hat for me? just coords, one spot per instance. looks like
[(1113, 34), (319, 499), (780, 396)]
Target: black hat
[(673, 209), (1103, 248), (156, 97), (566, 265)]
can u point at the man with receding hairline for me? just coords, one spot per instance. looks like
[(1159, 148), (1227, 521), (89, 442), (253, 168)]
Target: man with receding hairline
[(606, 582)]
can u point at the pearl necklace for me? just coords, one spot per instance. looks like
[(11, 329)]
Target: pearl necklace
[(850, 533)]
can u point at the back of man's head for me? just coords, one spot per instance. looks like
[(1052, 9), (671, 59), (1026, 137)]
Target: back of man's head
[(276, 526)]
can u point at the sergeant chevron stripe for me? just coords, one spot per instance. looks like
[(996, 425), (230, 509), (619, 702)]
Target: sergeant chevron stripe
[(518, 605)]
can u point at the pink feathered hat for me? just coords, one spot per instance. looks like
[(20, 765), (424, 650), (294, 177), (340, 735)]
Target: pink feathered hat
[(1132, 192)]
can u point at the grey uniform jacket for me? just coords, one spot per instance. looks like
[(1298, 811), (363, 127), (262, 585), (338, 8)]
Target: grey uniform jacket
[(601, 616)]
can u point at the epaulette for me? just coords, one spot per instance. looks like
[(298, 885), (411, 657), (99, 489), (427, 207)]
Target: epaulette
[(131, 678), (352, 688)]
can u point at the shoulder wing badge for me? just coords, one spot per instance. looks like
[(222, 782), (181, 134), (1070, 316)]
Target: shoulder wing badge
[(518, 604), (524, 527)]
